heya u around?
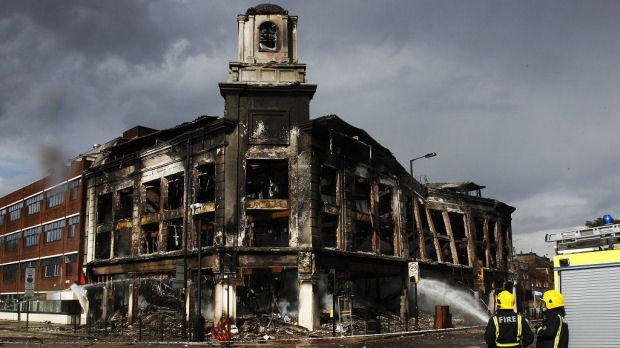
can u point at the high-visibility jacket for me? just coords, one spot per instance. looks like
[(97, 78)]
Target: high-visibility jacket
[(554, 330), (508, 329)]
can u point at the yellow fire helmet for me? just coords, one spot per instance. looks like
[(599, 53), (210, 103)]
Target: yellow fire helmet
[(505, 300), (553, 299)]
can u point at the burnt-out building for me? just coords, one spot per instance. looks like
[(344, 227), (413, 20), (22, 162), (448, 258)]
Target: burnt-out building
[(283, 210)]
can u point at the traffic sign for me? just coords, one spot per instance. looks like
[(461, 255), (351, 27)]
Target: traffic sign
[(414, 271), (30, 277)]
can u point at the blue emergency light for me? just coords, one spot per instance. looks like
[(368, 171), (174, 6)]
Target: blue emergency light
[(608, 220)]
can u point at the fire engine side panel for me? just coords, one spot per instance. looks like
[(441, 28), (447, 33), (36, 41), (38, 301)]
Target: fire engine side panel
[(589, 283)]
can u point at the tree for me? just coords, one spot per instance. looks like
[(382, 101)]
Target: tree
[(599, 222)]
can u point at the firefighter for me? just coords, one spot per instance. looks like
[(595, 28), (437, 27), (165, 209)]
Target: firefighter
[(507, 328), (554, 330)]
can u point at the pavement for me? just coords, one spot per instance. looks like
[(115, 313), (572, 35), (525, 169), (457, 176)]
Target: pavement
[(15, 334)]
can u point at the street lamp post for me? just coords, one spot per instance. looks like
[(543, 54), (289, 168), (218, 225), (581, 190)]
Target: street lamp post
[(417, 242), (199, 322)]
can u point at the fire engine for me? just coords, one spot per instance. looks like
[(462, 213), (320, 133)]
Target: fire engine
[(587, 273)]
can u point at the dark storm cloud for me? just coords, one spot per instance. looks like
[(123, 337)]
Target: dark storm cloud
[(519, 96)]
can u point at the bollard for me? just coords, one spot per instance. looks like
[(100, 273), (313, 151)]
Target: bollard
[(443, 320)]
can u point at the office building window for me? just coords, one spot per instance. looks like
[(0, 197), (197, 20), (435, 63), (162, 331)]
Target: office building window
[(70, 261), (53, 231), (56, 196), (9, 272), (31, 236), (33, 204), (2, 213), (73, 189), (51, 266), (72, 223), (12, 241), (15, 211)]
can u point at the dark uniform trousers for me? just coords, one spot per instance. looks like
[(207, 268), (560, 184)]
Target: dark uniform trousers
[(508, 329), (554, 330)]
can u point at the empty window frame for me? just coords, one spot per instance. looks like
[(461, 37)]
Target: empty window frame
[(267, 179), (15, 211), (24, 265), (174, 234), (104, 208), (73, 189), (362, 236), (205, 190), (122, 242), (150, 243), (125, 204), (329, 183), (386, 220), (70, 261), (457, 224), (56, 196), (33, 204), (329, 230), (53, 231), (51, 266), (31, 236), (72, 222), (102, 245), (268, 228), (2, 214), (9, 272), (207, 228), (360, 195), (152, 196), (175, 191), (12, 241)]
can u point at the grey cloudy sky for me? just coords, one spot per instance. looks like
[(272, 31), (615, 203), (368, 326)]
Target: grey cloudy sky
[(520, 96)]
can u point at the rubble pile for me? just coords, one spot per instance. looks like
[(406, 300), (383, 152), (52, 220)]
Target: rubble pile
[(268, 327)]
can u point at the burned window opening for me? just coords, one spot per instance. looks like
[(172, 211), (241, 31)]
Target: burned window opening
[(152, 190), (175, 191), (267, 228), (104, 209), (125, 204), (174, 234), (437, 217), (207, 228), (122, 242), (360, 195), (386, 220), (362, 236), (458, 231), (329, 230), (205, 192), (267, 179), (150, 243), (102, 245), (267, 36), (492, 244), (412, 237), (329, 182), (479, 243)]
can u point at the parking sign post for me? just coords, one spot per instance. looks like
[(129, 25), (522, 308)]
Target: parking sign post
[(29, 289)]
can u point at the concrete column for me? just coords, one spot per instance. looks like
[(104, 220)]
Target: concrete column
[(132, 307), (225, 301), (308, 304), (104, 302)]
